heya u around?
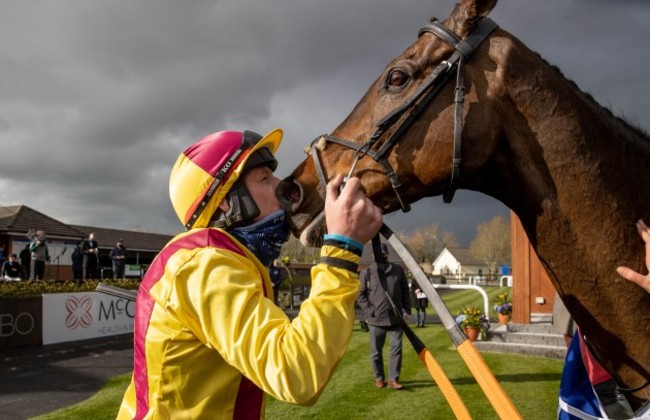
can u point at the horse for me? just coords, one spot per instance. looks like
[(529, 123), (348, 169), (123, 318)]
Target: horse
[(502, 121)]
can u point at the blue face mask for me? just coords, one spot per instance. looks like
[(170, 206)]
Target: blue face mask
[(265, 237)]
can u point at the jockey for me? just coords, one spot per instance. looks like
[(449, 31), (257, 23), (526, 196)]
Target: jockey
[(209, 341)]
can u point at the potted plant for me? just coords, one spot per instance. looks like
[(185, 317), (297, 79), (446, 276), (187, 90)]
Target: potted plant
[(474, 322), (503, 307)]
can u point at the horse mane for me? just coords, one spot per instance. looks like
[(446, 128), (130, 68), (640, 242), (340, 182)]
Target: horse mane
[(635, 129)]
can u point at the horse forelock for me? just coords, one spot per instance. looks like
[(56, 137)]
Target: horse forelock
[(321, 143)]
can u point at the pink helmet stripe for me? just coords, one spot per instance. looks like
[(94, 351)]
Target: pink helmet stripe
[(206, 152)]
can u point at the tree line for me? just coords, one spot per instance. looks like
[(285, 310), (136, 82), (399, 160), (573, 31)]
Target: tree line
[(491, 245)]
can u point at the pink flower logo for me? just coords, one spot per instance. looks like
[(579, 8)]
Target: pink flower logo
[(79, 312)]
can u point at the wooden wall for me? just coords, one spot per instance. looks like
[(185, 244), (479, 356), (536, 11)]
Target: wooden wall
[(530, 280)]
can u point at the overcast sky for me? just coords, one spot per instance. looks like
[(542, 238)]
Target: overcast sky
[(98, 98)]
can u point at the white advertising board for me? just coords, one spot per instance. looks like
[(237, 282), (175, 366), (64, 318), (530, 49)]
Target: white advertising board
[(133, 270), (81, 316)]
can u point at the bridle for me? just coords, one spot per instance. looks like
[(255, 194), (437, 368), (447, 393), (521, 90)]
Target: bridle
[(415, 104)]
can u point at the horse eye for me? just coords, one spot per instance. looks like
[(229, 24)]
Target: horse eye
[(397, 78)]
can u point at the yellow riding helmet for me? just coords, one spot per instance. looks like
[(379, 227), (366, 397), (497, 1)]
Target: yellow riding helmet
[(204, 173)]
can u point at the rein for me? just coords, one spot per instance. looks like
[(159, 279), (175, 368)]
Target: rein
[(416, 103)]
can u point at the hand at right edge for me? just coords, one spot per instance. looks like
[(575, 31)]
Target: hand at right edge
[(631, 275)]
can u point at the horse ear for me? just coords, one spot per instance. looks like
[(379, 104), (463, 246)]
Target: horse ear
[(467, 13), (483, 8)]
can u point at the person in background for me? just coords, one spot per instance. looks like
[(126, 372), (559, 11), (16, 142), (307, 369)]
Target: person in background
[(420, 303), (209, 340), (118, 255), (11, 269), (631, 275), (26, 261), (90, 249), (382, 319), (276, 278), (77, 264), (563, 322), (3, 255), (40, 255)]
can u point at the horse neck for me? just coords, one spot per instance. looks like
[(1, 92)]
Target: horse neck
[(578, 179), (572, 159)]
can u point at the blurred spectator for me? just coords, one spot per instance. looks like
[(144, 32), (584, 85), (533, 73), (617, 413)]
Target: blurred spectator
[(276, 278), (26, 261), (11, 269), (562, 320), (90, 249), (118, 255), (77, 264), (40, 255), (420, 302)]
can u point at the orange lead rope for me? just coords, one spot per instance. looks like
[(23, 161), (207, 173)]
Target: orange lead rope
[(484, 377)]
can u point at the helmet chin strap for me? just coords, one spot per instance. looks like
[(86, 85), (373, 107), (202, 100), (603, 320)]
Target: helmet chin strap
[(242, 208)]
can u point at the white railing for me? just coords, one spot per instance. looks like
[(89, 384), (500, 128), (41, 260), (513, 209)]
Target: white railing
[(469, 286), (507, 280)]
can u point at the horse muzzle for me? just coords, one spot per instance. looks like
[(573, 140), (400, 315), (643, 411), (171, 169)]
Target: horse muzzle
[(305, 216)]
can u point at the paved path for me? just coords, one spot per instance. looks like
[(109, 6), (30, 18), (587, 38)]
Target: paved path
[(39, 380)]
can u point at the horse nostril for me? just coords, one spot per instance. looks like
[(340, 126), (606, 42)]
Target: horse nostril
[(295, 195), (289, 192)]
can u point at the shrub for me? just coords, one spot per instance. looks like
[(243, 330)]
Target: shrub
[(503, 304), (39, 287), (472, 317)]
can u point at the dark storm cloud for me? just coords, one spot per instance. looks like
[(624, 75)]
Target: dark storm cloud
[(98, 98)]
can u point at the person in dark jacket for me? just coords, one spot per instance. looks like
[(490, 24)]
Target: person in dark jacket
[(77, 264), (119, 254), (26, 261), (382, 318), (420, 302), (90, 249)]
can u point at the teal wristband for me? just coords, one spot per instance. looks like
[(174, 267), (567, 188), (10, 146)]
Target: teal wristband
[(344, 239)]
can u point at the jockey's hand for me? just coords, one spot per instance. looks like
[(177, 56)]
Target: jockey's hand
[(631, 275), (349, 212)]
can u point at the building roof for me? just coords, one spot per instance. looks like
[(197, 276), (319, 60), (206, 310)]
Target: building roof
[(18, 220), (133, 240), (463, 256)]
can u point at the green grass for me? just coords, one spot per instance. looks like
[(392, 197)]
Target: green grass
[(103, 405), (531, 383)]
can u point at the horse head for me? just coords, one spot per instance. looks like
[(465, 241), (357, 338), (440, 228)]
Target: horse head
[(469, 106), (400, 138)]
